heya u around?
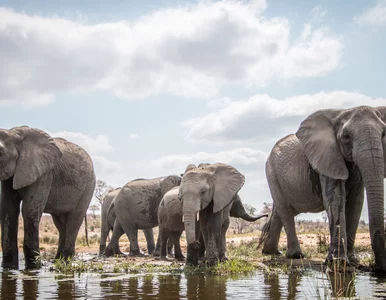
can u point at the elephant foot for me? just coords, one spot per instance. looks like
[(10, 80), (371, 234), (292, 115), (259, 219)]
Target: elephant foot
[(295, 255), (180, 258), (271, 252), (353, 260), (223, 258), (137, 253)]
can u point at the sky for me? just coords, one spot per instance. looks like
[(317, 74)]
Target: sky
[(148, 87)]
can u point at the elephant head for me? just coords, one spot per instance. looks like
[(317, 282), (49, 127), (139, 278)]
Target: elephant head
[(332, 139), (26, 154), (211, 186), (169, 182)]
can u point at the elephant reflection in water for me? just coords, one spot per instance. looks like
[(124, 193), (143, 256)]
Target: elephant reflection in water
[(206, 287), (169, 286), (339, 285), (274, 286)]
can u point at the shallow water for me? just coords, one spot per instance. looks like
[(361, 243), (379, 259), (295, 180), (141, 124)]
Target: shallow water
[(45, 284)]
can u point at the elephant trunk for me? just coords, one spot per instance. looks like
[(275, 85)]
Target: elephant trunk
[(189, 213), (369, 160), (238, 211)]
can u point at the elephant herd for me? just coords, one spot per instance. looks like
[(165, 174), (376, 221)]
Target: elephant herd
[(335, 155)]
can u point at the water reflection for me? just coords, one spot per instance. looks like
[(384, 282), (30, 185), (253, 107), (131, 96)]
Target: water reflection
[(296, 285)]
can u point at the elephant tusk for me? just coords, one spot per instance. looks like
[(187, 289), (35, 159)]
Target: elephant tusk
[(183, 219), (198, 216)]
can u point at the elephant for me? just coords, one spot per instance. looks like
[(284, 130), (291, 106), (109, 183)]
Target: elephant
[(108, 217), (334, 155), (208, 191), (49, 175), (171, 225), (136, 206)]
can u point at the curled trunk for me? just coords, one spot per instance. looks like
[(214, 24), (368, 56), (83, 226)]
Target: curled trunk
[(238, 211)]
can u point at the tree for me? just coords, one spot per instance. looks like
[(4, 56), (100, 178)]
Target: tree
[(101, 188)]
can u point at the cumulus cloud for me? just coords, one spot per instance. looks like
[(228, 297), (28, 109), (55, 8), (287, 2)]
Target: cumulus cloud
[(375, 15), (245, 157), (262, 117), (191, 50)]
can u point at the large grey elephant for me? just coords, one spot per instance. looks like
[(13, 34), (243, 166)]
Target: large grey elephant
[(171, 225), (108, 217), (334, 155), (208, 190), (136, 207), (50, 175)]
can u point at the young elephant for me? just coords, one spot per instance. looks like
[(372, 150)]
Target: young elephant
[(136, 207), (210, 191), (49, 175), (108, 217), (171, 226)]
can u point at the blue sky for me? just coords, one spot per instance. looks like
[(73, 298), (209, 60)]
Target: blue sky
[(147, 87)]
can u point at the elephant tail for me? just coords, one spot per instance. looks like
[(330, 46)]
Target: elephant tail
[(85, 229), (111, 207), (238, 211), (265, 230)]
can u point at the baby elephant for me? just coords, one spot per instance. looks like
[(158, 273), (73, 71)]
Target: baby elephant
[(171, 224)]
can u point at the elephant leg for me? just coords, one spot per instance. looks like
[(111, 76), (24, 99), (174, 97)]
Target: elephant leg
[(223, 243), (119, 232), (293, 246), (170, 246), (176, 236), (150, 240), (9, 214), (113, 245), (61, 226), (354, 204), (201, 250), (34, 201), (334, 199), (157, 250), (271, 244), (164, 234), (214, 227), (132, 234)]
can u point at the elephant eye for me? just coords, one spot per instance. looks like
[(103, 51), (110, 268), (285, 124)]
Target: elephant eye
[(346, 137)]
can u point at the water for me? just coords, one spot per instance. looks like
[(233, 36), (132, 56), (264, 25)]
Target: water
[(45, 284)]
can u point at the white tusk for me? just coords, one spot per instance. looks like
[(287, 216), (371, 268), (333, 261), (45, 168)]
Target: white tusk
[(198, 216), (183, 218)]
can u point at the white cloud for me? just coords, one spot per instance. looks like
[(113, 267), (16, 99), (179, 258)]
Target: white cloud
[(104, 167), (190, 50), (246, 157), (99, 144), (318, 13), (375, 15), (133, 136), (263, 118)]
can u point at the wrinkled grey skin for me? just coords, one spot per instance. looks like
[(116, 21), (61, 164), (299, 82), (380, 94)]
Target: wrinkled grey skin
[(108, 217), (136, 207), (170, 213), (209, 191), (346, 150), (50, 175)]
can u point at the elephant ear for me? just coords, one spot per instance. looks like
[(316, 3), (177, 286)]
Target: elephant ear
[(38, 154), (227, 182), (318, 138), (203, 165), (169, 182), (382, 111)]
